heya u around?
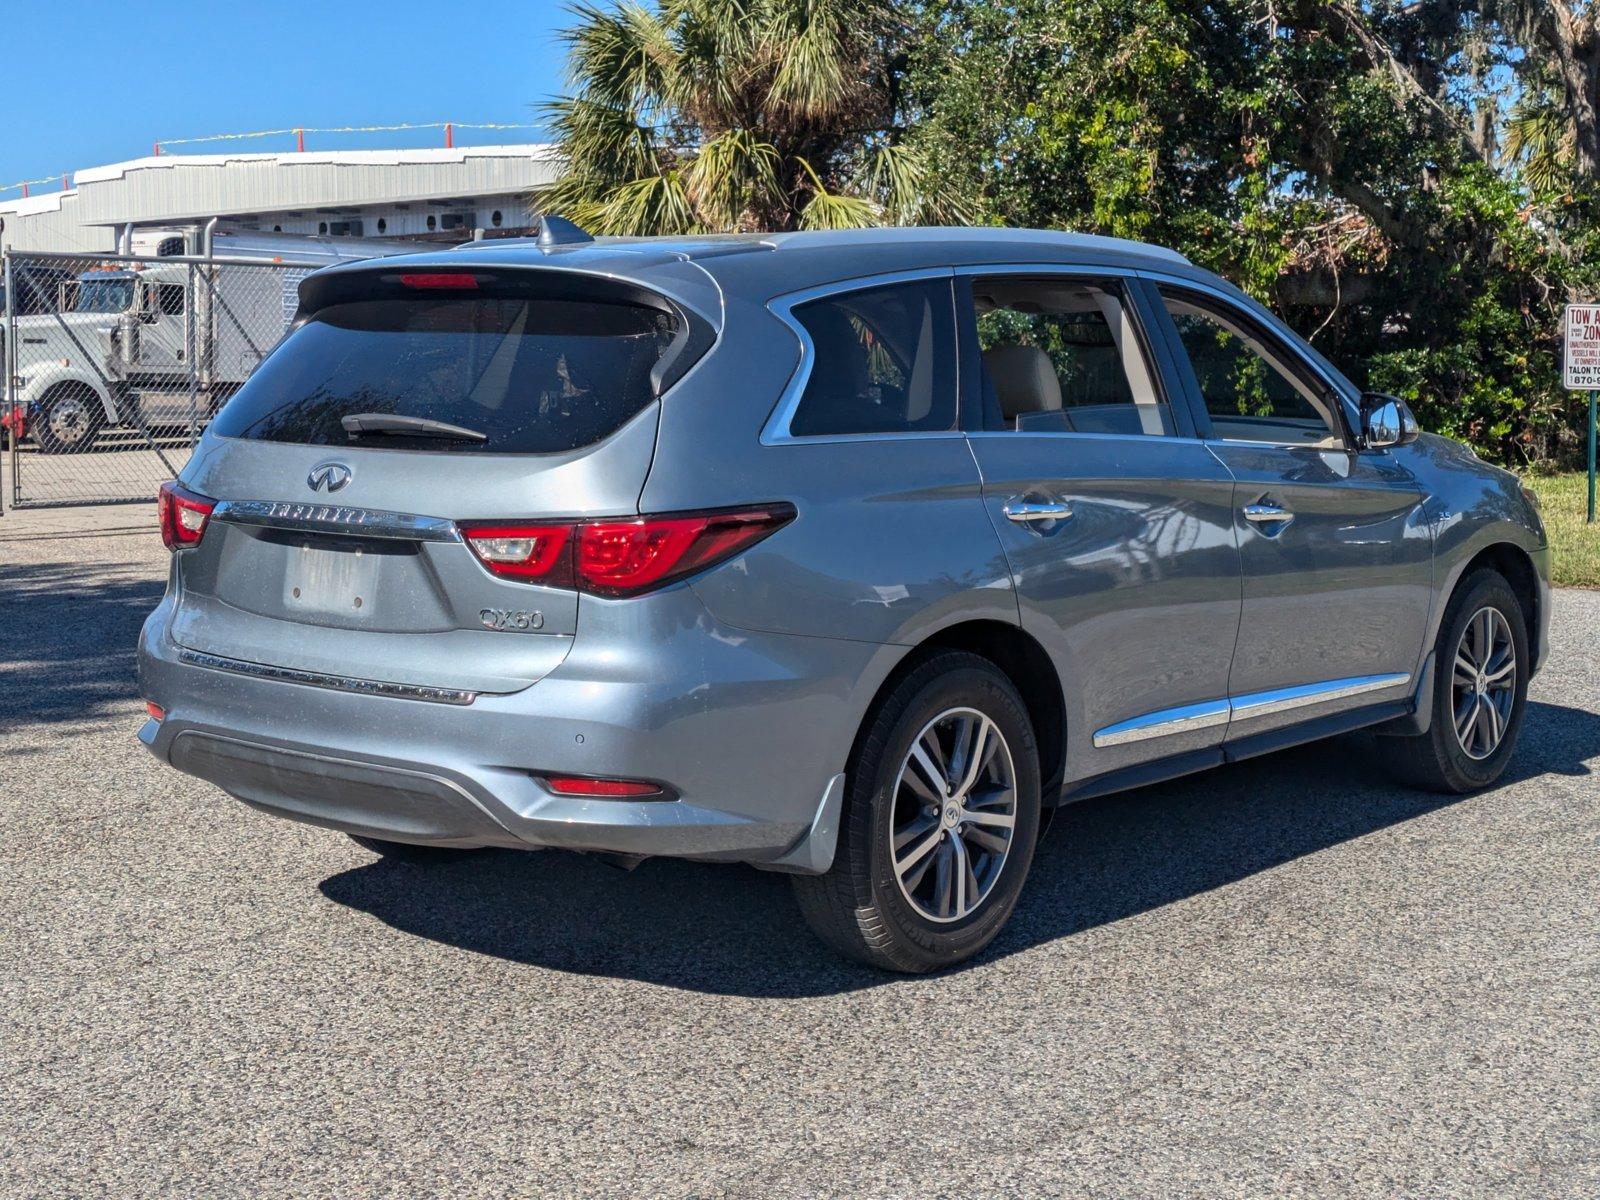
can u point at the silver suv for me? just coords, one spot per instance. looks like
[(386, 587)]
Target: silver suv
[(839, 554)]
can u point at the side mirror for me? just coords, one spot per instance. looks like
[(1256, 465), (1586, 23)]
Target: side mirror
[(1386, 421)]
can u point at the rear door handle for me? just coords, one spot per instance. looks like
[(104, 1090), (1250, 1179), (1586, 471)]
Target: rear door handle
[(1027, 511)]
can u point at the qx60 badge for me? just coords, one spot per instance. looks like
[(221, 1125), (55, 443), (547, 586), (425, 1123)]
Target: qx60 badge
[(328, 477)]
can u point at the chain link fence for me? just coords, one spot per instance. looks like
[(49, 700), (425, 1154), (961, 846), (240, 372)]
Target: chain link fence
[(114, 365)]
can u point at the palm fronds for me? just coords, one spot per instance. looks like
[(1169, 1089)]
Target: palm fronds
[(738, 114)]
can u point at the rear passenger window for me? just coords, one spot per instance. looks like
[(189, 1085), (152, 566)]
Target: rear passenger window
[(884, 362), (1063, 356)]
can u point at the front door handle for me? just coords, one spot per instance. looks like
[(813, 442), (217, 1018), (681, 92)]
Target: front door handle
[(1028, 511), (1266, 514)]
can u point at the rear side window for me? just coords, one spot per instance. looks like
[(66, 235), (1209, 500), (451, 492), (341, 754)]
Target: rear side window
[(533, 374), (884, 362)]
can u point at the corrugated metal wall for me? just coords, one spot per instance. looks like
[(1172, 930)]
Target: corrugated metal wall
[(185, 188)]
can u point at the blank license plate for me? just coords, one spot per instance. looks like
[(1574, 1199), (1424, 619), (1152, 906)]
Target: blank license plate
[(331, 582)]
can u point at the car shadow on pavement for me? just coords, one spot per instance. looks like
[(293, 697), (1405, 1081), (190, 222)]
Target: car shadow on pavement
[(69, 634), (737, 931)]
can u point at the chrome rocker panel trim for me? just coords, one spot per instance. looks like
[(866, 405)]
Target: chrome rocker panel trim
[(1210, 713), (338, 683)]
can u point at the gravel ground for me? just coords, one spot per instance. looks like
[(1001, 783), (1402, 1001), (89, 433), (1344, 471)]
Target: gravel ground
[(1285, 978)]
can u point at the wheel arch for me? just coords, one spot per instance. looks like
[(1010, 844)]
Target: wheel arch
[(1028, 666), (1515, 565), (59, 379)]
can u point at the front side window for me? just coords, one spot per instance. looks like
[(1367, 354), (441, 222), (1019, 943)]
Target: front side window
[(1250, 395), (884, 362), (1063, 356)]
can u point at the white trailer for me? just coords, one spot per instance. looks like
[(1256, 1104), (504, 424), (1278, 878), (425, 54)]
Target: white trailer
[(158, 343)]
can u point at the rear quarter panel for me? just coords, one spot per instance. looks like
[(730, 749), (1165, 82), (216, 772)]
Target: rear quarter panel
[(890, 543)]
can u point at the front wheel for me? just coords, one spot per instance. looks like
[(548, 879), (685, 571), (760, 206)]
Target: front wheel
[(939, 824), (69, 418), (1480, 688)]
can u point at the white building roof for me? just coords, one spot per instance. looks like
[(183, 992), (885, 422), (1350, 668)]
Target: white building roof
[(177, 189)]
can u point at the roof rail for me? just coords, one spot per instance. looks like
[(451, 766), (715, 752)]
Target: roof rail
[(558, 231)]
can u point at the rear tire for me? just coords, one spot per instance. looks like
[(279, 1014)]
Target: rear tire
[(927, 872), (1480, 689), (69, 417), (408, 852)]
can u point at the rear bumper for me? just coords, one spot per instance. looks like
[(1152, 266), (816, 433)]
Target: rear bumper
[(749, 730)]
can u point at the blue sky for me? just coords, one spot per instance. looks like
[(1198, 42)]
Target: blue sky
[(95, 81)]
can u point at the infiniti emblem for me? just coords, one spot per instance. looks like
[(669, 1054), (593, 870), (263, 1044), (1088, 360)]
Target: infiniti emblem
[(328, 477)]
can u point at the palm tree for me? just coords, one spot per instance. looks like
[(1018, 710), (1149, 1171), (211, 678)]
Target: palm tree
[(718, 115), (1541, 138)]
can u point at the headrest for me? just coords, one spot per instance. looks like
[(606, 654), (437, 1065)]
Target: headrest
[(1024, 379)]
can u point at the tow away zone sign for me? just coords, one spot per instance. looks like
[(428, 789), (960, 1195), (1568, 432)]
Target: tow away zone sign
[(1581, 359)]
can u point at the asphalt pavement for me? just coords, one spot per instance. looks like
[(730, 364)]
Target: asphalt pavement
[(1284, 978)]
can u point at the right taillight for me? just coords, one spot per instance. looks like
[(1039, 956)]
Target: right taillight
[(623, 557), (183, 515)]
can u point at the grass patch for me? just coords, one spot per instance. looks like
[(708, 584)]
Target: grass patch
[(1574, 545)]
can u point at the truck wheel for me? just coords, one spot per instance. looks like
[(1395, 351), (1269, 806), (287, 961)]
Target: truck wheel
[(69, 418), (939, 821)]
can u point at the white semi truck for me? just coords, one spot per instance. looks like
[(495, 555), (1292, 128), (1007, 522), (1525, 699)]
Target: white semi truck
[(155, 343)]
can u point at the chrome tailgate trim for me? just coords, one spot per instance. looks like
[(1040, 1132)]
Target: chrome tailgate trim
[(335, 518), (340, 683)]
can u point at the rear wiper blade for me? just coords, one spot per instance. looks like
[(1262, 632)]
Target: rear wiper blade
[(360, 424)]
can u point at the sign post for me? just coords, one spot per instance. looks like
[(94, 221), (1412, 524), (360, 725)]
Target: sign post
[(1581, 369)]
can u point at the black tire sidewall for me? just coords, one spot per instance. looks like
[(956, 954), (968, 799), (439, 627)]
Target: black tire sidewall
[(1485, 589), (988, 691)]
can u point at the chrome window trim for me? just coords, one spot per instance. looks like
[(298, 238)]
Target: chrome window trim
[(309, 517), (1166, 439), (1208, 714), (776, 431), (339, 683), (1346, 435)]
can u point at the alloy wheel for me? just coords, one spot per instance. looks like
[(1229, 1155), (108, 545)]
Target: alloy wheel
[(955, 812), (1483, 685)]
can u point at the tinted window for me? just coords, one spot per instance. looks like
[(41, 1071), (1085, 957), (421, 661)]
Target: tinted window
[(535, 375), (1061, 355), (885, 362), (1249, 395)]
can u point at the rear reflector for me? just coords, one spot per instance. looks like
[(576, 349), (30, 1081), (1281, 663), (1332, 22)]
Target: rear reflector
[(183, 515), (157, 713), (622, 557), (443, 280), (573, 785)]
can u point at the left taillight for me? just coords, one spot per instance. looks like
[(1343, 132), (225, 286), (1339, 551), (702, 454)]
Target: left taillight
[(625, 557), (183, 515)]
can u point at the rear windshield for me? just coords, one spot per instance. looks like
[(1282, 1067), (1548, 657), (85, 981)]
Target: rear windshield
[(534, 375)]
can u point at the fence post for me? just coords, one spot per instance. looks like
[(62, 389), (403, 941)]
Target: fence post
[(8, 363), (191, 316)]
